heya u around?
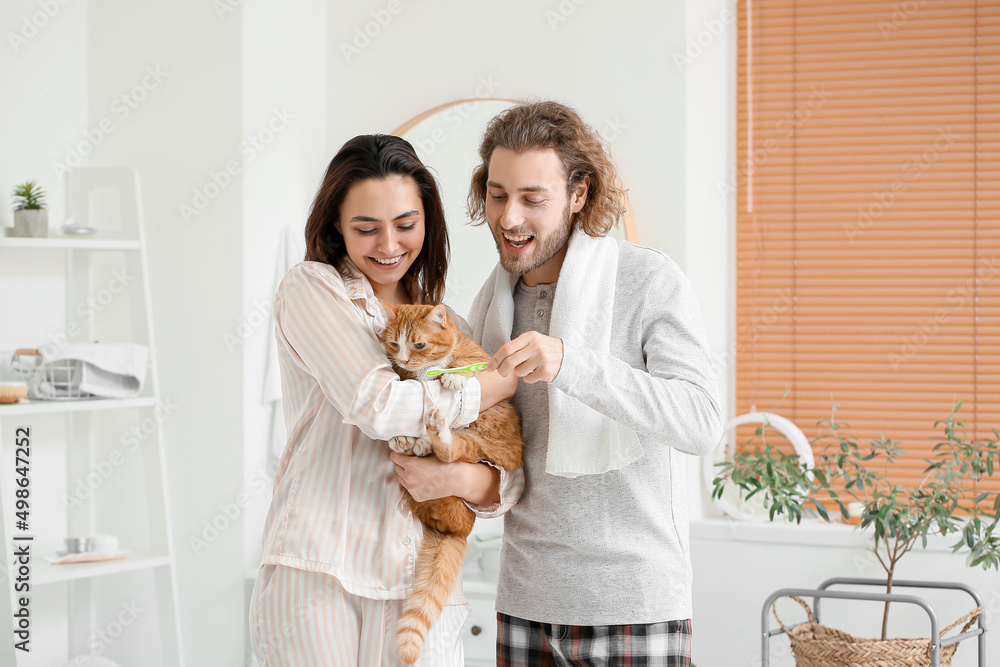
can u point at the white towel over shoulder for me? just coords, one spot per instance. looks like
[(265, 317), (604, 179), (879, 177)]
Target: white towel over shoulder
[(582, 441)]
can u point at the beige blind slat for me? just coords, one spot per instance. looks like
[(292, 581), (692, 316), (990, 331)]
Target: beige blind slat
[(868, 266)]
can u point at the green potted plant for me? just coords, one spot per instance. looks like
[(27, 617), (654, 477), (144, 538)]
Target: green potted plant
[(30, 216), (947, 501)]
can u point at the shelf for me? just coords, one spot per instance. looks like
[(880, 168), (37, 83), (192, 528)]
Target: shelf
[(69, 242), (808, 533), (37, 407), (78, 590), (43, 572)]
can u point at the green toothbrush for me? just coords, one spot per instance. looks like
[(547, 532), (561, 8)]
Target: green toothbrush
[(471, 368)]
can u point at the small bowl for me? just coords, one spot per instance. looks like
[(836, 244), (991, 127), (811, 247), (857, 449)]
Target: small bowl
[(78, 545)]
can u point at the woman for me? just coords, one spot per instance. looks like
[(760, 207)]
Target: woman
[(339, 541)]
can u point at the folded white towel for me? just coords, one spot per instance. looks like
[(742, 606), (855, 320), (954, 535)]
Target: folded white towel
[(582, 441), (109, 370)]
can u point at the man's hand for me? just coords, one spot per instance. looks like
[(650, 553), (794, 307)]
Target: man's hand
[(532, 356)]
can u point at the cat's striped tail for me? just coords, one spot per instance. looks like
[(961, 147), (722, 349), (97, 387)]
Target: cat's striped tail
[(438, 565)]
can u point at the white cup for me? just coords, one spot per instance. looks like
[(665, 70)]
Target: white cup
[(103, 543)]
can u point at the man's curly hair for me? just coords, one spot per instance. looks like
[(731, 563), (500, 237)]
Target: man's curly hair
[(582, 152)]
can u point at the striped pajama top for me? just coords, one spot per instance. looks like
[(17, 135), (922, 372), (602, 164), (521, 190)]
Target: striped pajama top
[(337, 506)]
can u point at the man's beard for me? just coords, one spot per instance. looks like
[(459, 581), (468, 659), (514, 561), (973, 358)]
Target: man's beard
[(548, 247)]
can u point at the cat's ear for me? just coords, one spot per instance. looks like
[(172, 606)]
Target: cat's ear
[(439, 315), (388, 312), (388, 309)]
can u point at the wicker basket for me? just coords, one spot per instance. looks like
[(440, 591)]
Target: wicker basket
[(816, 645)]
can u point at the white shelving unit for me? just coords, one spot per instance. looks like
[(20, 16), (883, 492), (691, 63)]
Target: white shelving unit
[(131, 501)]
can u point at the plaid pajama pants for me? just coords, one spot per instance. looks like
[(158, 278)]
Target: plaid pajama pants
[(523, 643)]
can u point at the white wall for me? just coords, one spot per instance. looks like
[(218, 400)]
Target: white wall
[(187, 128), (179, 67), (737, 566), (707, 57), (43, 68), (43, 71), (285, 113), (609, 60)]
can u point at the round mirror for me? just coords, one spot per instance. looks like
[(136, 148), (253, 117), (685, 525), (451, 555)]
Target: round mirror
[(447, 140)]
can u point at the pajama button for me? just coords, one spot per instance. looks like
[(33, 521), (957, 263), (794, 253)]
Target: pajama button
[(543, 294), (540, 313), (406, 541)]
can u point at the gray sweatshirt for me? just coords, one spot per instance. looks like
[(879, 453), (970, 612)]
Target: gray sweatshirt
[(613, 548)]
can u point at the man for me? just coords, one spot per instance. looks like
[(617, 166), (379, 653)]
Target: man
[(616, 383)]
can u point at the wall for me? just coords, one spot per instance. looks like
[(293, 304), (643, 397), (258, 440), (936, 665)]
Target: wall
[(610, 61), (179, 137), (43, 69), (43, 73), (707, 58), (158, 87), (285, 115), (737, 566)]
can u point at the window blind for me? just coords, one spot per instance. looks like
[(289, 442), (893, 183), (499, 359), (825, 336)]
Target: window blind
[(868, 216)]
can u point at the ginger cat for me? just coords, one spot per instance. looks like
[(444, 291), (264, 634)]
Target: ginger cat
[(418, 338)]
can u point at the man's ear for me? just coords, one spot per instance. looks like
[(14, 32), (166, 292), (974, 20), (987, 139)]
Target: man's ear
[(439, 315), (578, 198)]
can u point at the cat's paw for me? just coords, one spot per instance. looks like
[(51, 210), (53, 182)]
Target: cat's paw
[(402, 444), (436, 421), (454, 381), (439, 429), (423, 446)]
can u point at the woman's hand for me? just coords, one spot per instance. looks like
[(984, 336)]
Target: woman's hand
[(430, 478)]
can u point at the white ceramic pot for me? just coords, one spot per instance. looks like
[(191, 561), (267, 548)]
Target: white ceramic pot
[(31, 222)]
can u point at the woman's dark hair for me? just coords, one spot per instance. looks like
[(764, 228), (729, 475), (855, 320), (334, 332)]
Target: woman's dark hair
[(379, 156)]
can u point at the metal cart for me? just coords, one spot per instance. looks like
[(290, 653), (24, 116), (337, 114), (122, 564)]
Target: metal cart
[(822, 592)]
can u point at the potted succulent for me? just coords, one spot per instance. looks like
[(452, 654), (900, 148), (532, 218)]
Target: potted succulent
[(947, 501), (30, 216)]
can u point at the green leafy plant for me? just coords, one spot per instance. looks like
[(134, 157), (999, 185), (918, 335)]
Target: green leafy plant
[(28, 196), (947, 501)]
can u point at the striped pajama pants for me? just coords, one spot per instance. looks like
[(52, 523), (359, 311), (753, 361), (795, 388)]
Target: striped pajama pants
[(307, 619)]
